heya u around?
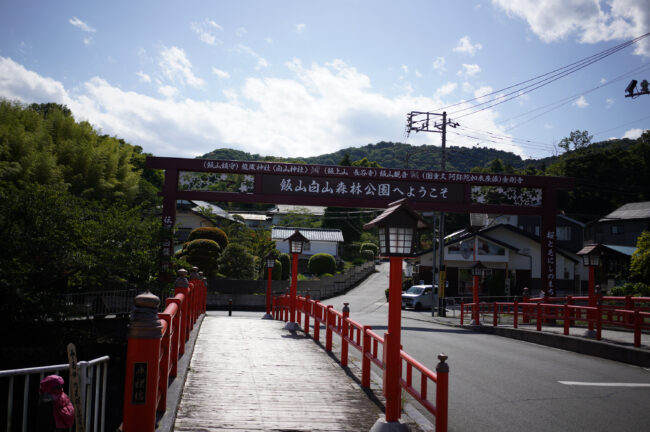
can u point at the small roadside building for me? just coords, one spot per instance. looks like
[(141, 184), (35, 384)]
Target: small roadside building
[(512, 259), (321, 240)]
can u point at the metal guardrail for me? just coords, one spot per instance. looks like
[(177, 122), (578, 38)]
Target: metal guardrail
[(98, 304), (93, 381)]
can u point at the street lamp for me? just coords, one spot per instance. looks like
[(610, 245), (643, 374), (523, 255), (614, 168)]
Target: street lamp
[(270, 263), (478, 270), (397, 226), (296, 242)]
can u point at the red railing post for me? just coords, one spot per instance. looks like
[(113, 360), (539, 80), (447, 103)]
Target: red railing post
[(442, 393), (637, 328), (516, 314), (462, 313), (328, 328), (365, 358), (599, 319), (494, 317), (142, 366), (318, 319), (539, 316), (567, 318), (345, 325), (308, 308), (175, 336), (181, 291), (165, 345), (629, 305)]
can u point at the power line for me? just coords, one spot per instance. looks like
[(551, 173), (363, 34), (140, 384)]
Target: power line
[(537, 81)]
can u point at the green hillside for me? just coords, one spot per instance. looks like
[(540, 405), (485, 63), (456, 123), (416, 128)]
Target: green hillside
[(393, 155)]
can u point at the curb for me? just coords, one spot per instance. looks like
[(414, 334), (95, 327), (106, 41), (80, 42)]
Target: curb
[(602, 349)]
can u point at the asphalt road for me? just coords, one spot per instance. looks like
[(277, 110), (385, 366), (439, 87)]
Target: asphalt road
[(501, 384)]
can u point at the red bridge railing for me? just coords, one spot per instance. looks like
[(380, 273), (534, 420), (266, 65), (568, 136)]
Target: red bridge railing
[(368, 343), (630, 313), (156, 341)]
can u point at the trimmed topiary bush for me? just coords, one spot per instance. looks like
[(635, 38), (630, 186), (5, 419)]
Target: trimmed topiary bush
[(211, 233), (285, 260), (369, 246), (202, 253), (321, 263), (367, 254)]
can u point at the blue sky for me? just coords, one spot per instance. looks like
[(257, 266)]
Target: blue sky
[(302, 78)]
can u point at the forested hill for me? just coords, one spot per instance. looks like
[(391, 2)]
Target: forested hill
[(608, 174), (393, 155)]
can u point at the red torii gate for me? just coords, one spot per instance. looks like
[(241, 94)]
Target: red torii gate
[(344, 186)]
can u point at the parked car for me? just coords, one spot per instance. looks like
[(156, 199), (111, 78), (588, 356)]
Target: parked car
[(419, 296)]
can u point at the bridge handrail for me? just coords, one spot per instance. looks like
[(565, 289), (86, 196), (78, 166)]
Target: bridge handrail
[(635, 319), (163, 353), (367, 342)]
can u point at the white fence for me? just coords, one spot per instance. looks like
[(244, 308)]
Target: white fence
[(22, 404)]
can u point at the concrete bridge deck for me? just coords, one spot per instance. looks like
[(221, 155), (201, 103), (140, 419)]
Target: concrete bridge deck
[(249, 374)]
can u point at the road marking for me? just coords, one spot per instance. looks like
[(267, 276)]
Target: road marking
[(604, 384)]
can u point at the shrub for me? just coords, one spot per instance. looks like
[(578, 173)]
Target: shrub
[(369, 246), (326, 275), (285, 260), (236, 262), (367, 255), (202, 253), (210, 233), (321, 263)]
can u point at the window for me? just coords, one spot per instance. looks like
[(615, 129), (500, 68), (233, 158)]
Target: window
[(563, 233), (616, 229), (487, 248)]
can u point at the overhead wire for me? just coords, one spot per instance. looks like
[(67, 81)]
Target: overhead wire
[(536, 82)]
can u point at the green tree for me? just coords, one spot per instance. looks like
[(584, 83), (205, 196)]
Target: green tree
[(640, 261), (236, 262), (576, 140)]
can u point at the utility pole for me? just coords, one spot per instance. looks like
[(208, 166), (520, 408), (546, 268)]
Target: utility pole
[(425, 122)]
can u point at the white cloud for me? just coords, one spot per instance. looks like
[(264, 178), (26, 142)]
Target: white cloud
[(603, 81), (439, 64), (144, 77), (469, 70), (482, 91), (446, 89), (205, 30), (299, 28), (241, 31), (591, 20), (81, 25), (418, 73), (405, 68), (581, 102), (17, 83), (318, 106), (261, 61), (268, 40), (633, 133), (177, 67), (610, 102), (168, 91), (220, 73), (465, 46)]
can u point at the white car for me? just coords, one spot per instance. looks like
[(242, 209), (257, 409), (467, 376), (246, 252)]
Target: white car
[(419, 296)]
